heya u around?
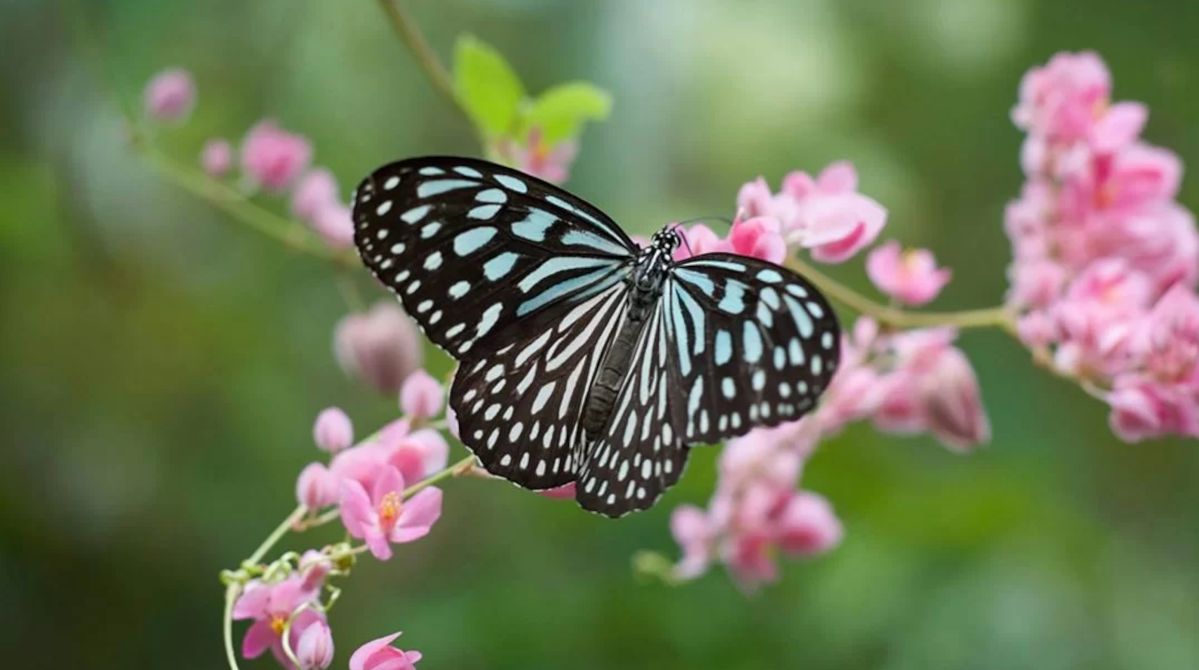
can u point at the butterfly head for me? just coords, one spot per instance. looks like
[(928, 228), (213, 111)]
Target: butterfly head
[(666, 240)]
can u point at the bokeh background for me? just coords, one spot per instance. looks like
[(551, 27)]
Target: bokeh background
[(159, 369)]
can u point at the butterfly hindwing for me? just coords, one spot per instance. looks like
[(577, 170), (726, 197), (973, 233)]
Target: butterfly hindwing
[(518, 408), (753, 344), (641, 452), (480, 254)]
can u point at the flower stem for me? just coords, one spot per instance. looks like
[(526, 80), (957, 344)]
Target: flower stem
[(444, 473), (279, 532), (231, 593), (998, 317), (414, 39), (235, 204)]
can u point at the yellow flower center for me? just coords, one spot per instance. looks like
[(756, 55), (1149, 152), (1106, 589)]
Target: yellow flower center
[(278, 623), (389, 509)]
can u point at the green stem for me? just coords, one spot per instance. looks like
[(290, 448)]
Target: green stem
[(290, 233), (279, 532), (998, 317), (414, 39), (445, 473), (231, 593)]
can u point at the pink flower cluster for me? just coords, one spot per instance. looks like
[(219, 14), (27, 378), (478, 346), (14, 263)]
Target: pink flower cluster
[(826, 214), (368, 482), (272, 159), (1105, 260), (376, 488)]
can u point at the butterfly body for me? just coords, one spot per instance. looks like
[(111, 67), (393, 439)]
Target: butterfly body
[(584, 357), (645, 289)]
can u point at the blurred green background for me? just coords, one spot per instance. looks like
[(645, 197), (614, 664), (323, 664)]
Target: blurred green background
[(159, 369)]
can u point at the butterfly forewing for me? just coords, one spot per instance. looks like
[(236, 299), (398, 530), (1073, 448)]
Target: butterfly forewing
[(753, 344), (482, 255)]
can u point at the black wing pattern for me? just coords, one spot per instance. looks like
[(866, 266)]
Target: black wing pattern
[(482, 255), (753, 344), (520, 281), (642, 451)]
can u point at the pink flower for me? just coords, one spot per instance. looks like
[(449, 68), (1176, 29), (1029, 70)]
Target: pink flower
[(1063, 99), (758, 237), (315, 190), (697, 536), (911, 277), (380, 655), (421, 396), (699, 239), (383, 516), (170, 96), (316, 487), (540, 159), (273, 157), (381, 347), (272, 607), (314, 650), (333, 430), (953, 404), (831, 218), (217, 157), (755, 199), (807, 525), (333, 222), (1143, 409), (1119, 127), (1168, 340)]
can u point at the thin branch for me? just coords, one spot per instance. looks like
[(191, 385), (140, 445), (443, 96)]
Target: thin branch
[(281, 229), (996, 317), (414, 39)]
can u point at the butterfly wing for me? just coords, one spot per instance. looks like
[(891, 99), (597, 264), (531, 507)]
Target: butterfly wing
[(482, 255), (753, 344), (520, 281), (641, 452), (518, 408)]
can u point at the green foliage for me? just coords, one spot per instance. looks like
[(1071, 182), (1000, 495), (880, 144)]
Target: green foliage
[(561, 111), (488, 87), (499, 106)]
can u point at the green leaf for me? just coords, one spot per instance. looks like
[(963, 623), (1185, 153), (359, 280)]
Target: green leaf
[(561, 111), (487, 86)]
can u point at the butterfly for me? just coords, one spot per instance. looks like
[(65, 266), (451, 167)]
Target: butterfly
[(584, 357)]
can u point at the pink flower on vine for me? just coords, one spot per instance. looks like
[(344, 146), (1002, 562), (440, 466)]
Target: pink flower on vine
[(421, 396), (911, 277), (382, 516), (380, 655), (272, 157), (539, 158), (217, 157), (170, 96), (381, 346), (275, 608), (314, 649)]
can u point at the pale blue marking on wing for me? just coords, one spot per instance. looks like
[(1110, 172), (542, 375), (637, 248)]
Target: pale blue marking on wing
[(553, 266), (589, 239), (499, 266), (723, 347), (472, 240), (699, 280), (697, 317), (534, 226), (803, 322), (751, 343), (733, 301), (723, 265), (680, 331), (512, 182), (439, 186), (577, 285)]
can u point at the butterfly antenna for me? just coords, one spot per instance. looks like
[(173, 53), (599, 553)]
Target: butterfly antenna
[(682, 235), (700, 219)]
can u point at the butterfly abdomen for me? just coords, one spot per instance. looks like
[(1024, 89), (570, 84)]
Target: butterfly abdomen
[(613, 370)]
